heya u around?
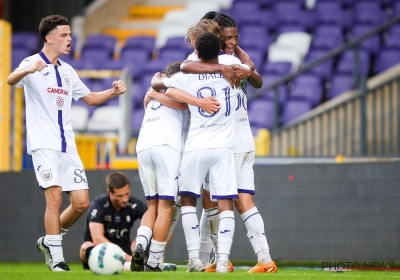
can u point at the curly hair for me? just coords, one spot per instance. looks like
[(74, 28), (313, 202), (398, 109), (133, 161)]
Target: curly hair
[(223, 20), (204, 25), (208, 45), (49, 23), (172, 68)]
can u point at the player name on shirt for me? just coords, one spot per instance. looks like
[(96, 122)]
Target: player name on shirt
[(207, 76)]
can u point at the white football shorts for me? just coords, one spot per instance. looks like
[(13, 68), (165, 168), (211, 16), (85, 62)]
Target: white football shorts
[(158, 171), (55, 168), (244, 172), (218, 163)]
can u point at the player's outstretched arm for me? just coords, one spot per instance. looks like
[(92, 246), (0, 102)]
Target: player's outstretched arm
[(209, 104), (18, 75), (97, 233), (255, 78), (198, 67), (164, 99), (97, 98)]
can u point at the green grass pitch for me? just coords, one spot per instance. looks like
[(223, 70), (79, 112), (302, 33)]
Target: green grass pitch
[(29, 271)]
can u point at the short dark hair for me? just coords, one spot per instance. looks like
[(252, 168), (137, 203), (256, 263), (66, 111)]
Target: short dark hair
[(116, 180), (172, 68), (49, 23), (223, 20), (208, 45)]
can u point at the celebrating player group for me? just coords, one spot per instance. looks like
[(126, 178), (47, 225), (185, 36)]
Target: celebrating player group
[(195, 141), (208, 151)]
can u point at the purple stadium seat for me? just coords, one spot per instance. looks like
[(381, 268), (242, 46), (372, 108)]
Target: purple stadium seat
[(269, 95), (25, 40), (261, 114), (328, 31), (135, 54), (339, 84), (254, 37), (95, 58), (17, 55), (172, 55), (258, 57), (279, 68), (140, 42), (386, 58), (289, 28), (307, 80), (177, 43), (100, 41), (264, 18), (323, 70), (293, 108), (154, 66), (302, 18), (368, 12), (137, 119), (326, 42), (346, 63), (282, 7), (372, 44), (245, 7), (310, 93)]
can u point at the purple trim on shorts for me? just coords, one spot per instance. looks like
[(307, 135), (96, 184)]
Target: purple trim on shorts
[(251, 216), (189, 193), (60, 123), (166, 197), (148, 197), (232, 196), (246, 191)]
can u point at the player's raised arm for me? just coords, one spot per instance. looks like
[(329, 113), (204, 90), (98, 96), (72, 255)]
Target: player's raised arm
[(255, 78), (18, 75), (97, 98), (209, 104)]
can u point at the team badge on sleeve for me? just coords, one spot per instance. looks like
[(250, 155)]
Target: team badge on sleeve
[(47, 174)]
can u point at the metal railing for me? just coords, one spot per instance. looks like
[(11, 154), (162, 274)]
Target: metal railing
[(362, 123)]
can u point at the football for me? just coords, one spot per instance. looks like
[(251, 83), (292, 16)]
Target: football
[(107, 259)]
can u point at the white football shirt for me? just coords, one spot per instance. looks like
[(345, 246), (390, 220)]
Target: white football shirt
[(48, 97), (209, 130), (244, 141), (161, 126)]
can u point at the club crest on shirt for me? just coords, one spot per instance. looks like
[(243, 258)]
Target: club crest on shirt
[(60, 101), (66, 79), (47, 174)]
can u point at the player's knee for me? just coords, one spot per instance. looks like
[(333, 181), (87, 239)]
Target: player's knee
[(81, 206)]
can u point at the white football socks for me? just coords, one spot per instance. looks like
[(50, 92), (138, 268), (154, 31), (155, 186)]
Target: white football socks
[(225, 238), (55, 246), (143, 236), (190, 224), (205, 242), (255, 232), (156, 252)]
